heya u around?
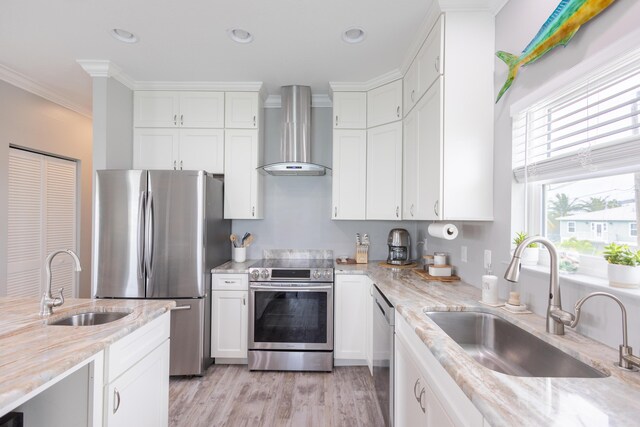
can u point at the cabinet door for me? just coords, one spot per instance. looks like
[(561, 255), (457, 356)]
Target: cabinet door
[(349, 174), (410, 166), (155, 148), (350, 110), (384, 172), (202, 149), (431, 57), (430, 145), (350, 316), (241, 110), (229, 326), (202, 110), (140, 396), (410, 90), (242, 181), (156, 109), (384, 104), (409, 386)]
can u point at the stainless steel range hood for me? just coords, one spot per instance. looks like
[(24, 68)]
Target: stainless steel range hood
[(295, 149)]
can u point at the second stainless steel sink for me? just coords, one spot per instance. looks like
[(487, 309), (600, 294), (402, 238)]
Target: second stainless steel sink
[(90, 319), (503, 347)]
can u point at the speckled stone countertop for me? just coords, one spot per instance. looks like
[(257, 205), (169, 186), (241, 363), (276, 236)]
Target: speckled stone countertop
[(232, 267), (506, 400), (32, 353)]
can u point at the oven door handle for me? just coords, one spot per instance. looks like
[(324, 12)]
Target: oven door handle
[(292, 288)]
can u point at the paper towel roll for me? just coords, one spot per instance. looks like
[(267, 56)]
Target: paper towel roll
[(443, 231)]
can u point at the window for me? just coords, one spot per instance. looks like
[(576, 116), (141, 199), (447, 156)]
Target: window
[(577, 154), (41, 219)]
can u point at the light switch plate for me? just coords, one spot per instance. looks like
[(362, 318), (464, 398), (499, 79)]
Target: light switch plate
[(463, 254)]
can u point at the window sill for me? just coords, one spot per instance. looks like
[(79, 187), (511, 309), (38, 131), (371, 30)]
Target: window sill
[(595, 283)]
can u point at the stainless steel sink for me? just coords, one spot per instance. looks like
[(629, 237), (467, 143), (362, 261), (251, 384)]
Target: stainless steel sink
[(503, 347), (90, 319)]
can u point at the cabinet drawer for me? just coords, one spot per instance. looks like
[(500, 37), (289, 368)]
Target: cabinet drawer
[(125, 353), (229, 282)]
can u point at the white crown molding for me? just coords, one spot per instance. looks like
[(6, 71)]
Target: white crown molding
[(318, 100), (492, 6), (215, 86), (28, 84), (375, 82), (106, 68)]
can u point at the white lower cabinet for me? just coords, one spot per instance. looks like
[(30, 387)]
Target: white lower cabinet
[(350, 319), (425, 394), (229, 316), (136, 391)]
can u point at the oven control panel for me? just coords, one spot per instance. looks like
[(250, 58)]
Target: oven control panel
[(293, 275)]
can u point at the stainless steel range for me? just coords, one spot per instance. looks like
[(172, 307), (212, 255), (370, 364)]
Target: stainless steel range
[(291, 315)]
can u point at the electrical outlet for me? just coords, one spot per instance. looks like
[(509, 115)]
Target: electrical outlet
[(487, 259), (463, 254)]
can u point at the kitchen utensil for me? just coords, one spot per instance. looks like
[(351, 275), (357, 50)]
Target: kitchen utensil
[(247, 241), (247, 234), (234, 239), (358, 241)]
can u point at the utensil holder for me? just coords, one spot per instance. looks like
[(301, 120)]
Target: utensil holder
[(239, 254), (362, 254)]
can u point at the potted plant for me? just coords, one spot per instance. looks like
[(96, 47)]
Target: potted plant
[(530, 254), (623, 269)]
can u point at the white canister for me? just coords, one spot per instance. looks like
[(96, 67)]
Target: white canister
[(490, 289), (239, 254), (439, 258)]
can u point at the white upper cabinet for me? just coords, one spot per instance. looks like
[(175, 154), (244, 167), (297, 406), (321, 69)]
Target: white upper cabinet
[(169, 109), (155, 148), (243, 192), (242, 110), (350, 110), (202, 149), (384, 104), (426, 67), (349, 174), (429, 146), (384, 172)]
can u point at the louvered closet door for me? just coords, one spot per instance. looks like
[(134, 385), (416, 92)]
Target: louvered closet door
[(42, 218)]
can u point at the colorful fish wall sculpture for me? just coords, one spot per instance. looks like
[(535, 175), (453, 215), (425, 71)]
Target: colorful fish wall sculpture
[(559, 28)]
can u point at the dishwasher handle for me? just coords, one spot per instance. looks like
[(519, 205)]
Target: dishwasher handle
[(385, 307)]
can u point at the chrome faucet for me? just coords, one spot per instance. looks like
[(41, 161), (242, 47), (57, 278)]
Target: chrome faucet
[(554, 310), (626, 359), (48, 301)]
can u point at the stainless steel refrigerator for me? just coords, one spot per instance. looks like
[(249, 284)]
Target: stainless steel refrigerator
[(157, 235)]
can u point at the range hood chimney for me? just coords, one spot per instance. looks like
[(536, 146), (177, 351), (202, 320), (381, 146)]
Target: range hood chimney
[(295, 148)]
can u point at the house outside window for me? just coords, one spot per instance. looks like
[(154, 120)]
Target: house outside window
[(633, 229), (571, 227)]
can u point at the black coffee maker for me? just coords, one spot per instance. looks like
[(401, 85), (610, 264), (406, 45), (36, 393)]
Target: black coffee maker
[(399, 243)]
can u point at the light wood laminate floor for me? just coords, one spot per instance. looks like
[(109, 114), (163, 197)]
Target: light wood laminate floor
[(231, 395)]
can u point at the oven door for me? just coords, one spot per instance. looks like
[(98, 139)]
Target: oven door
[(291, 316)]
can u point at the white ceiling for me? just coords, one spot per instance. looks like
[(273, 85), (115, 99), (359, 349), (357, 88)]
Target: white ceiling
[(296, 41)]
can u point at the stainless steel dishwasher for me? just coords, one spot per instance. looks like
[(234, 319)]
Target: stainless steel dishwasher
[(383, 348)]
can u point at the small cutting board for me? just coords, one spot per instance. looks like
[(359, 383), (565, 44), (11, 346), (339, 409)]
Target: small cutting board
[(427, 276)]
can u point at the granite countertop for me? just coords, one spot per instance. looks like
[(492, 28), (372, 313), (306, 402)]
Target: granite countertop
[(232, 267), (506, 400), (33, 353)]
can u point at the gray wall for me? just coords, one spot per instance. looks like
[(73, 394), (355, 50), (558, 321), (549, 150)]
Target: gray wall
[(298, 209), (29, 121), (516, 24)]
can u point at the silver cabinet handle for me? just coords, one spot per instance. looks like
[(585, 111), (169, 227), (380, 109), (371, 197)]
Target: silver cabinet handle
[(415, 390), (424, 408), (229, 282), (398, 111), (253, 211), (437, 63), (435, 208), (181, 119), (254, 121), (411, 210), (397, 211), (335, 212), (175, 120), (413, 93), (174, 164), (116, 400), (244, 301), (371, 290), (336, 120), (180, 164)]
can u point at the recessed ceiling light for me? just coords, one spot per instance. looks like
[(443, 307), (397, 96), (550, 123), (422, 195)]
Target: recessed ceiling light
[(353, 35), (239, 35), (124, 35)]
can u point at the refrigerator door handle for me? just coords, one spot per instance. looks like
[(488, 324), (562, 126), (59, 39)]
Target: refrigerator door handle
[(182, 307), (149, 232), (141, 236)]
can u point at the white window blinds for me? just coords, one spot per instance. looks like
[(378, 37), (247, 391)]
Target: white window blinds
[(591, 128), (42, 218)]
